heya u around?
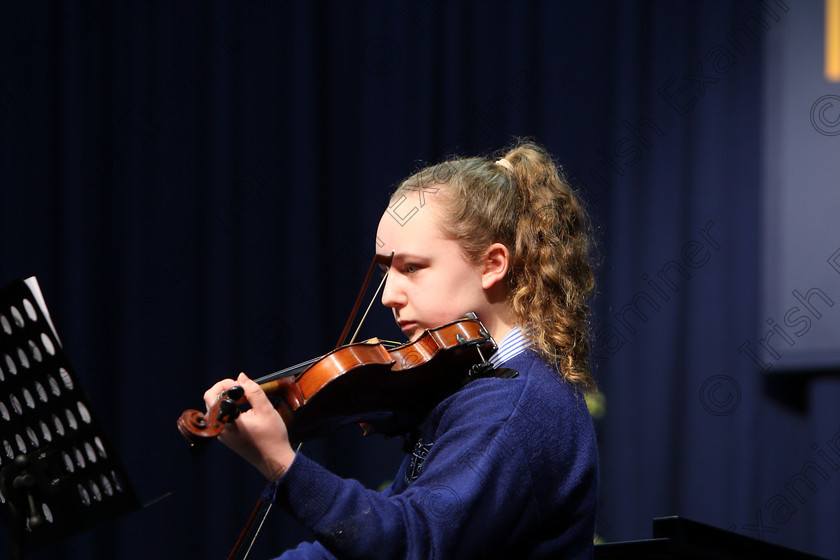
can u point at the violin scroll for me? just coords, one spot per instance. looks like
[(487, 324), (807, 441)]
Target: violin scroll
[(201, 429)]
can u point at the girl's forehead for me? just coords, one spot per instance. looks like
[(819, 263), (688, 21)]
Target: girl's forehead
[(410, 215), (407, 204), (418, 234)]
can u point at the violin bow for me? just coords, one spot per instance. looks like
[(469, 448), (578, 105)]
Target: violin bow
[(378, 260), (249, 533)]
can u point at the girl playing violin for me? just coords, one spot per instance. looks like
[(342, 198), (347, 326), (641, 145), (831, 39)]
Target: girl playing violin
[(504, 467)]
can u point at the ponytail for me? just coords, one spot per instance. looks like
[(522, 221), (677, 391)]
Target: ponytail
[(553, 278)]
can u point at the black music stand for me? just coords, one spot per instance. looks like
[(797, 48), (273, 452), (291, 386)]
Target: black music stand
[(59, 476), (678, 538)]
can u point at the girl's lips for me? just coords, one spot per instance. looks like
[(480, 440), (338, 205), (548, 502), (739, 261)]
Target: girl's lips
[(407, 327)]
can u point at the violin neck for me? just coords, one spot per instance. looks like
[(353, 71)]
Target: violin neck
[(290, 371), (297, 369)]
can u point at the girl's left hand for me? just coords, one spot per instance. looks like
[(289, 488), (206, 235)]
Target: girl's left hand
[(259, 434)]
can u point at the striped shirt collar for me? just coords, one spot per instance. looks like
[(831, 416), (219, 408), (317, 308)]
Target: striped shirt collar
[(514, 343)]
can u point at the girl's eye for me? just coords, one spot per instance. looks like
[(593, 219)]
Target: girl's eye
[(411, 268)]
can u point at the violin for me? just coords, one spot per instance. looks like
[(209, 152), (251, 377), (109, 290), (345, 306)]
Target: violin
[(384, 390)]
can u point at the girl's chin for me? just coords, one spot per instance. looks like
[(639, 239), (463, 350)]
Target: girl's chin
[(412, 331)]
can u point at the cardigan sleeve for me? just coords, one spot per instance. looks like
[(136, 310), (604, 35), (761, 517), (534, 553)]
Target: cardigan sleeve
[(501, 474)]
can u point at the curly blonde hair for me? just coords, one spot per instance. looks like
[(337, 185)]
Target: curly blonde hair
[(525, 202)]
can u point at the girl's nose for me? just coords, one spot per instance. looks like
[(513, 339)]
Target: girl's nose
[(390, 292)]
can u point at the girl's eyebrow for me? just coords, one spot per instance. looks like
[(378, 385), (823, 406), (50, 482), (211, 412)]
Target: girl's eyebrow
[(387, 260)]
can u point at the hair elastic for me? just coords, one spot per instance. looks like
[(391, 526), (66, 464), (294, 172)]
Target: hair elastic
[(504, 163)]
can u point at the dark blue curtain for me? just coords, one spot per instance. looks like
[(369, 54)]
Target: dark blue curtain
[(197, 187)]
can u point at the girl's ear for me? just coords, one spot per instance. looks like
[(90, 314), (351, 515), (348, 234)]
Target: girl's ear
[(495, 265)]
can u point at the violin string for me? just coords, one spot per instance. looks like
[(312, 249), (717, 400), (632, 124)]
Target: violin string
[(286, 372), (364, 315)]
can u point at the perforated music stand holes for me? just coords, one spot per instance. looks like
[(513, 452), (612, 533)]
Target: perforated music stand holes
[(33, 437), (41, 392), (52, 383), (48, 345), (95, 491), (79, 458), (72, 423), (68, 463), (100, 447), (58, 425), (21, 445), (83, 494), (10, 364), (48, 516), (118, 484), (84, 413), (17, 318), (49, 433), (46, 434), (90, 454), (106, 485), (35, 352), (23, 359), (66, 379), (28, 398), (15, 404), (30, 310)]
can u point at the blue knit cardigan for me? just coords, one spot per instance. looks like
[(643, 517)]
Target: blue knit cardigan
[(504, 468)]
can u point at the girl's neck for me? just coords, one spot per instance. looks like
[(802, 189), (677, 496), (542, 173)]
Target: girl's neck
[(498, 320)]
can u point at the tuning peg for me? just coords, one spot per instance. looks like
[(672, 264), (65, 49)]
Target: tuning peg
[(228, 409), (236, 392)]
